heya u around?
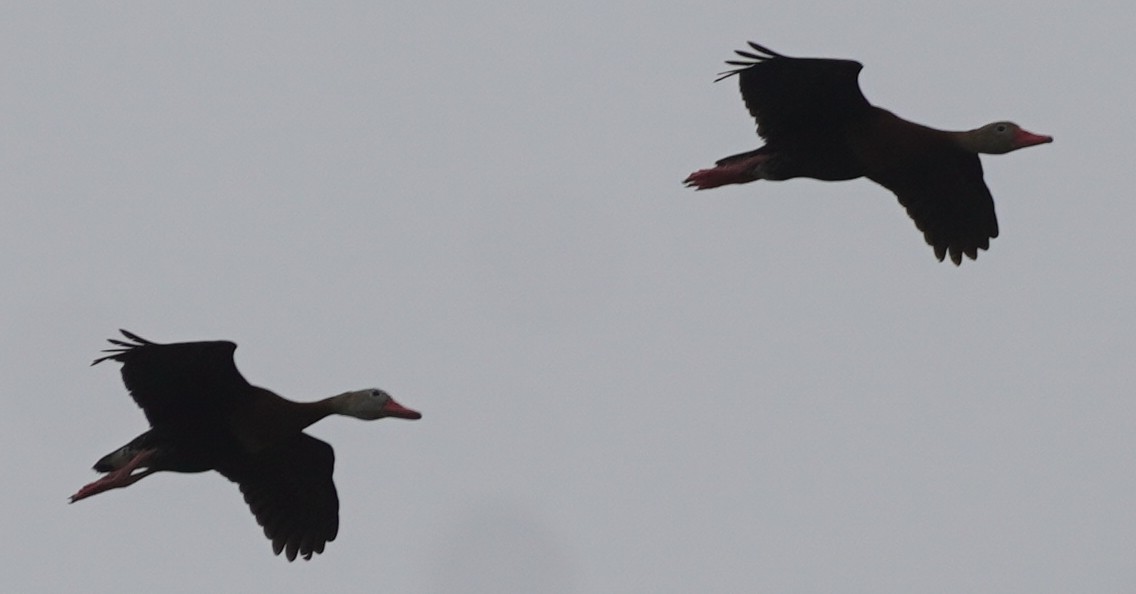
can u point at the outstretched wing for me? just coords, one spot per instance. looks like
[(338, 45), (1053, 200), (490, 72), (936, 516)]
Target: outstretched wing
[(289, 489), (187, 384), (797, 100), (948, 200)]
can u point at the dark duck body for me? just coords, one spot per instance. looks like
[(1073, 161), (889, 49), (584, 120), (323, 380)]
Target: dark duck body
[(205, 416), (817, 124)]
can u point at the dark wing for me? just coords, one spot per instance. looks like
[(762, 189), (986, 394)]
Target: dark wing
[(187, 384), (290, 491), (797, 100), (948, 200)]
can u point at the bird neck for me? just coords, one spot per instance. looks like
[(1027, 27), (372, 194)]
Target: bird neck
[(304, 414), (273, 417), (969, 140)]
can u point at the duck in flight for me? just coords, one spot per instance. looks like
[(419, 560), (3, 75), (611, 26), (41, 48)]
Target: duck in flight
[(205, 416), (817, 124)]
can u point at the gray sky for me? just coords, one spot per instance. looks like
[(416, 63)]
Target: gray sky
[(627, 386)]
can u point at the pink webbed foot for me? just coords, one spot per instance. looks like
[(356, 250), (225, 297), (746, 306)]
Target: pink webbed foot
[(736, 172), (117, 479)]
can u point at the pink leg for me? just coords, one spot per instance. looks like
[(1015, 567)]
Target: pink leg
[(119, 478), (738, 172)]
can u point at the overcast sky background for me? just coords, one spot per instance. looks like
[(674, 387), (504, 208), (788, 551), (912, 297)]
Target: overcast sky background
[(627, 386)]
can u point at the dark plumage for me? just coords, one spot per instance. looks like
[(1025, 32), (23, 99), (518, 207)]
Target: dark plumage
[(205, 416), (817, 124)]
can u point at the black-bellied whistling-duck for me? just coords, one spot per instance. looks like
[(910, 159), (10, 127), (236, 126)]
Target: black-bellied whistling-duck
[(816, 123), (205, 416)]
